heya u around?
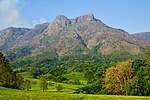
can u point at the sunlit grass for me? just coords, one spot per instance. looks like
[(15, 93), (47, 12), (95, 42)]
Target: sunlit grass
[(12, 94), (35, 93)]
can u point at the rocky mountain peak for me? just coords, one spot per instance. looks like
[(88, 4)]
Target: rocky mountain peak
[(87, 17), (61, 20), (90, 16)]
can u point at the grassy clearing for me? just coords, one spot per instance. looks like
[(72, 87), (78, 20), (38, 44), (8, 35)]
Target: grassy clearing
[(12, 94)]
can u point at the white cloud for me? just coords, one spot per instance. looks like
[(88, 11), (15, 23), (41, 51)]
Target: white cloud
[(40, 21), (10, 15)]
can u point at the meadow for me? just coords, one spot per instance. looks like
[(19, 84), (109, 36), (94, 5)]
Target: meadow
[(12, 94), (35, 93)]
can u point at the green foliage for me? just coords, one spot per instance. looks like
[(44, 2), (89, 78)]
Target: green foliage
[(147, 59), (7, 78), (138, 82), (59, 87), (35, 73), (118, 56), (90, 89), (43, 83), (76, 82), (17, 53), (45, 59), (19, 82), (27, 84), (141, 82), (57, 71), (95, 75)]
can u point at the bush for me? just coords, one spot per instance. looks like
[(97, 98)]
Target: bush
[(76, 82), (59, 87), (91, 89)]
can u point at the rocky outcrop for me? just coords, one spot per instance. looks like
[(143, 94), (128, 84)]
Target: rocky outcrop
[(84, 18)]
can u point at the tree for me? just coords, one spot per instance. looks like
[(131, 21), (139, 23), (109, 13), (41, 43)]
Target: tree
[(147, 59), (141, 83), (147, 72), (118, 78), (76, 82), (43, 83), (27, 84), (19, 82), (6, 76), (59, 87)]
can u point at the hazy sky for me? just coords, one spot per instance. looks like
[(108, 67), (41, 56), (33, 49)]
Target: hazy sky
[(131, 15)]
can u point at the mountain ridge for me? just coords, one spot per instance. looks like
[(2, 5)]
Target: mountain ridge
[(78, 35)]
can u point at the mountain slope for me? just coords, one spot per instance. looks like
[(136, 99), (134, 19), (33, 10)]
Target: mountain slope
[(144, 37), (79, 35), (9, 35)]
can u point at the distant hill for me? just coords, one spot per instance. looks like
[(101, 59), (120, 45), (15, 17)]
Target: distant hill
[(144, 37), (71, 36)]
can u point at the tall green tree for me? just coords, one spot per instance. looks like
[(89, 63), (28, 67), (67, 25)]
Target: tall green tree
[(6, 76), (19, 82), (147, 59), (141, 85), (43, 83), (27, 85)]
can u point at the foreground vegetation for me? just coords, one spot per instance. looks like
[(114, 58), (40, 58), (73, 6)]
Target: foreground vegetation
[(86, 79), (13, 94)]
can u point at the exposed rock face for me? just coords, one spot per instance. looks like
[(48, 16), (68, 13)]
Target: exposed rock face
[(88, 17), (62, 21), (79, 35)]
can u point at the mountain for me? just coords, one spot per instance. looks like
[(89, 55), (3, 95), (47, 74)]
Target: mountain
[(7, 36), (71, 36), (144, 37)]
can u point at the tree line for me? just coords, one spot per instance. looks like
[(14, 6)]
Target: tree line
[(10, 79), (131, 77)]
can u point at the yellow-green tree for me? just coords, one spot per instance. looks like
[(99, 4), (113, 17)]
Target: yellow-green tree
[(117, 78)]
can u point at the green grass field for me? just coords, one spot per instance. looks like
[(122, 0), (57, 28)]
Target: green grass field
[(36, 93), (12, 94)]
